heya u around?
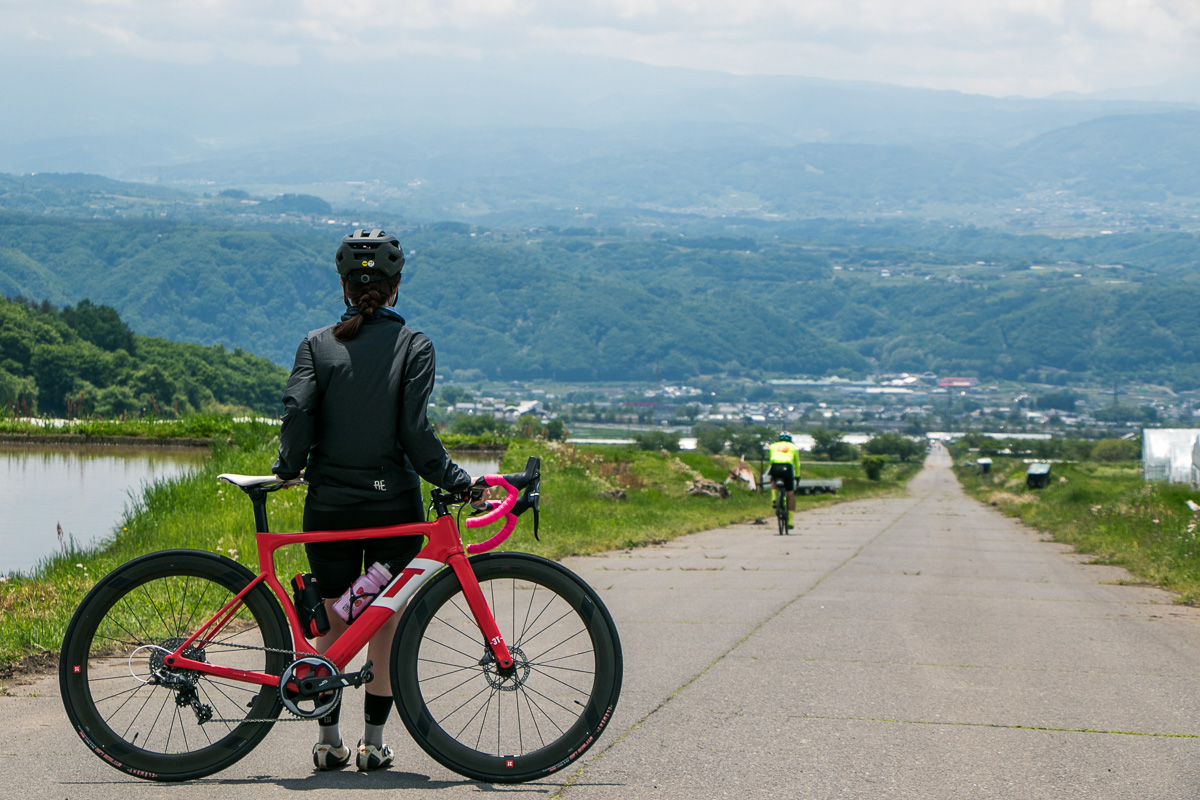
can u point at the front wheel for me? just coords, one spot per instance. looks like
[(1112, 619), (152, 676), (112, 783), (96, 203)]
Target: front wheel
[(136, 712), (506, 728)]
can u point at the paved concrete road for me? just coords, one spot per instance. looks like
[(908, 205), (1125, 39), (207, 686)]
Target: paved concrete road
[(918, 647)]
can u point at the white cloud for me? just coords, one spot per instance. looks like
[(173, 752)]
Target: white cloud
[(992, 46)]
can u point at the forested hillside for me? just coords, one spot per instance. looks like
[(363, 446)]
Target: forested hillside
[(84, 359), (813, 298)]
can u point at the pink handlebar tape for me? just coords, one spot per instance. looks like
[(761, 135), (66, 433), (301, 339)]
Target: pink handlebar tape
[(497, 512)]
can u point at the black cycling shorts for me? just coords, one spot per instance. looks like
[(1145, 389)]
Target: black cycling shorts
[(337, 564), (784, 473)]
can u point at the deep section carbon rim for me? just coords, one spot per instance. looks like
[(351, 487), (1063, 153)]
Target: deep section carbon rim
[(497, 726), (146, 718)]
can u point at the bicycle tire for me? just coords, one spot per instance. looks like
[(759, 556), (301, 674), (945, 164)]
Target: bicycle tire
[(116, 641), (781, 512), (534, 723)]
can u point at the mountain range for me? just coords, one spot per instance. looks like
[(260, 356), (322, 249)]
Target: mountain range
[(529, 141)]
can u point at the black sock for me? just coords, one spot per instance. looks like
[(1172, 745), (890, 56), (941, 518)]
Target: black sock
[(376, 708), (332, 717)]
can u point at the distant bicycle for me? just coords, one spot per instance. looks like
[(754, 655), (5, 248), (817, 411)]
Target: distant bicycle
[(506, 667), (781, 506), (785, 468)]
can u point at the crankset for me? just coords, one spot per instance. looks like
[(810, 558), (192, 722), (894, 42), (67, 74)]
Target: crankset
[(315, 680)]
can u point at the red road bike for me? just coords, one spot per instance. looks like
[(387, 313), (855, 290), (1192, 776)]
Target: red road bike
[(505, 667)]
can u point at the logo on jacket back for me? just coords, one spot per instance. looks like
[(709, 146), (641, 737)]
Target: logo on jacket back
[(380, 486)]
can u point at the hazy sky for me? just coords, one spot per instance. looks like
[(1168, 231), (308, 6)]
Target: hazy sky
[(998, 47)]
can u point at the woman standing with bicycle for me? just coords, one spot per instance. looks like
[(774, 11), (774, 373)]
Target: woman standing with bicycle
[(354, 423)]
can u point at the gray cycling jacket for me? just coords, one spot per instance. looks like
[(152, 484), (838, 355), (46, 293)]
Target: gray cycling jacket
[(354, 417)]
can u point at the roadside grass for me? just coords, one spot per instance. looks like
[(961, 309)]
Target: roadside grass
[(196, 511), (1108, 511), (192, 426)]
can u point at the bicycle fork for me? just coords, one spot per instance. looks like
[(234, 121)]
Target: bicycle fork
[(482, 612)]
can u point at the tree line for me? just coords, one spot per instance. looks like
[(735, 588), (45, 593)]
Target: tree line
[(83, 360)]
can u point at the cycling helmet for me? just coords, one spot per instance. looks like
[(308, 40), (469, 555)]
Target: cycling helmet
[(377, 251), (784, 436)]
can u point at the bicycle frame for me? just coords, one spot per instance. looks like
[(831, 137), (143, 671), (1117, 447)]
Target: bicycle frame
[(443, 548)]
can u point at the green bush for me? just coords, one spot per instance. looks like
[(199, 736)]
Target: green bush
[(1110, 450), (873, 466), (657, 440)]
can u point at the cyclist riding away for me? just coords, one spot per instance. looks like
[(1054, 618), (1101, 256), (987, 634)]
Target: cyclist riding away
[(785, 467), (354, 423)]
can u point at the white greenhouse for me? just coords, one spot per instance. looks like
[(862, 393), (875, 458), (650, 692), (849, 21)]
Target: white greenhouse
[(1168, 454)]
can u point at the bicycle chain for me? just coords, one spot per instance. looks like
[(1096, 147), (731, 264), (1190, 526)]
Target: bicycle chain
[(252, 720)]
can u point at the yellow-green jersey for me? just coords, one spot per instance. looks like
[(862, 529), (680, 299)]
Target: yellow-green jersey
[(784, 452)]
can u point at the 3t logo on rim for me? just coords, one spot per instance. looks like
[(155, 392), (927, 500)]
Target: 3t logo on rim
[(381, 486)]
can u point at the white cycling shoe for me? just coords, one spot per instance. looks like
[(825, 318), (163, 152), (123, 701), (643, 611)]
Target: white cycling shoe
[(327, 757), (371, 757)]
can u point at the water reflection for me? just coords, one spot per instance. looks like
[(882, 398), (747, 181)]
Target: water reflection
[(85, 489), (478, 463)]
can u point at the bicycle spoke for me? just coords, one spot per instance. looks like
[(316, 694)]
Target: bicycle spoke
[(554, 647), (145, 637), (559, 681), (525, 635), (155, 722), (157, 610), (176, 610), (520, 637), (553, 662), (453, 649), (200, 603), (525, 690), (465, 703), (473, 627), (454, 668), (437, 697), (532, 717), (182, 728), (483, 722), (118, 694)]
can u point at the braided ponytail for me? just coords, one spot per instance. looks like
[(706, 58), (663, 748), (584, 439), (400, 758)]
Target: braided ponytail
[(367, 298)]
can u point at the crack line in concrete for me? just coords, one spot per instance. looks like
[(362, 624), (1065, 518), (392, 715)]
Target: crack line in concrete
[(1013, 727)]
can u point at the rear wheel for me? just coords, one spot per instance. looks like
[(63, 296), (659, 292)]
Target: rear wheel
[(540, 717), (136, 712), (781, 510)]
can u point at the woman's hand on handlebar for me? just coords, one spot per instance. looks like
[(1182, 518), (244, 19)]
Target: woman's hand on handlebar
[(477, 495)]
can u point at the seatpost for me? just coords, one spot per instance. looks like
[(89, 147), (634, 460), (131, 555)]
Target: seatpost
[(258, 497)]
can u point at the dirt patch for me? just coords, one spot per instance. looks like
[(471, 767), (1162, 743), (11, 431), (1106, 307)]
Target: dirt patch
[(29, 669), (1008, 500)]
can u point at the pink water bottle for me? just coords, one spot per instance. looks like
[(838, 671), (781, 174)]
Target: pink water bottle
[(362, 592)]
